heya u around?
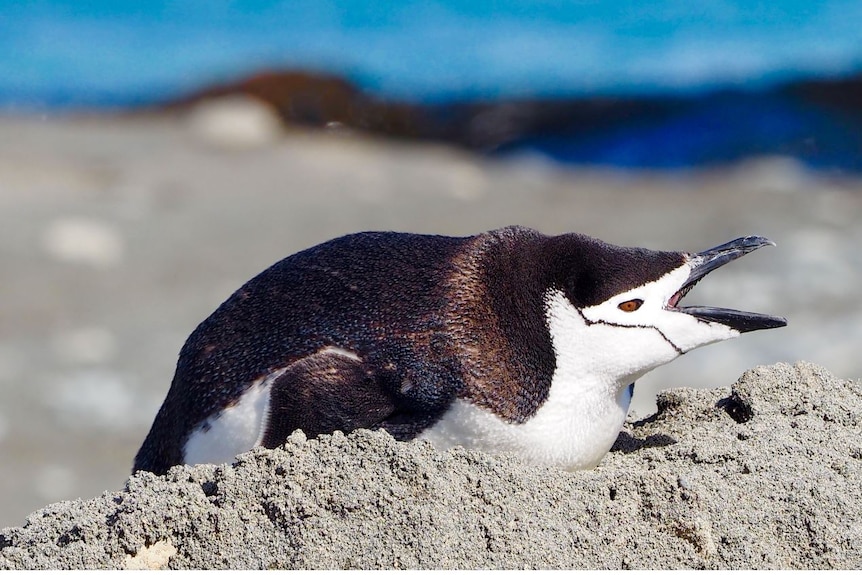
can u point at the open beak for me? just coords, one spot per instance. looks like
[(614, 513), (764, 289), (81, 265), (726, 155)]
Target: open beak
[(705, 262)]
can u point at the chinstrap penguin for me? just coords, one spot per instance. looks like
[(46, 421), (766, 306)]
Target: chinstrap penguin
[(506, 341)]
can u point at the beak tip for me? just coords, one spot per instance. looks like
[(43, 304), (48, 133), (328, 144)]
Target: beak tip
[(754, 242)]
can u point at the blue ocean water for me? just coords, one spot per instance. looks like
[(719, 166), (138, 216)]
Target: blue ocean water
[(61, 54), (104, 52)]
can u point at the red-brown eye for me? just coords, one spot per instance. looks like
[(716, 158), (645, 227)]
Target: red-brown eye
[(631, 305)]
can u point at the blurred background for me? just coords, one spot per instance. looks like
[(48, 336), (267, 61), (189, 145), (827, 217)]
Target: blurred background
[(154, 156)]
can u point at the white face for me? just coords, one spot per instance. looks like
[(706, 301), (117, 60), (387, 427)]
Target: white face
[(631, 333)]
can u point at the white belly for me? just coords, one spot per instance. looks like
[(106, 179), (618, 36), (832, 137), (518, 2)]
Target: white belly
[(236, 429), (566, 432)]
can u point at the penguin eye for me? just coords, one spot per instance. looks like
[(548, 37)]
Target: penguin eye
[(631, 305)]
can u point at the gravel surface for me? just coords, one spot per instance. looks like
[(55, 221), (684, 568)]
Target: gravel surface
[(763, 475)]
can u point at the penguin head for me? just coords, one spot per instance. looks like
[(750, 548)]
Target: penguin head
[(616, 312)]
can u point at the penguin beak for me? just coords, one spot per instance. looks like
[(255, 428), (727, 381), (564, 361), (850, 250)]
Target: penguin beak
[(711, 259)]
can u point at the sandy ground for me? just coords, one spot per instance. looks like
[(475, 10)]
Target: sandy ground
[(117, 236), (765, 475)]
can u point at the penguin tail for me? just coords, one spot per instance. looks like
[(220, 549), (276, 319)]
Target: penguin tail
[(161, 449)]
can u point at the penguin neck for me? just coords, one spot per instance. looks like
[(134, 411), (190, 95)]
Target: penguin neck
[(593, 400)]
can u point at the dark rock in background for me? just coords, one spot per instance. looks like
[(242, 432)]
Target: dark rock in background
[(818, 121)]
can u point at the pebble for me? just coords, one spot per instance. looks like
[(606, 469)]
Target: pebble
[(155, 556), (83, 241), (234, 123)]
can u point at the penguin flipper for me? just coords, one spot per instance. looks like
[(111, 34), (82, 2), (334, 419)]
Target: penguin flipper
[(324, 392)]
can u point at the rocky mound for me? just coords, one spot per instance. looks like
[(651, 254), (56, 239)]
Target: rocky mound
[(767, 474)]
